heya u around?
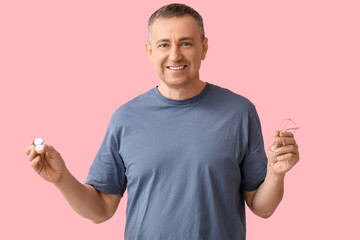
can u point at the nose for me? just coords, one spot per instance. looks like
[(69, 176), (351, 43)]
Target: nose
[(175, 54)]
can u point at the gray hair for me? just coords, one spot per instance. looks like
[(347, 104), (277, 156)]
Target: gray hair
[(176, 10)]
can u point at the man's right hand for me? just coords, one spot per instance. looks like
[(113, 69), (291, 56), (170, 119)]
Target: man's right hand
[(83, 198), (49, 164)]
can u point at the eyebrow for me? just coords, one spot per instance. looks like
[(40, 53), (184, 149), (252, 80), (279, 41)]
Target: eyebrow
[(181, 39)]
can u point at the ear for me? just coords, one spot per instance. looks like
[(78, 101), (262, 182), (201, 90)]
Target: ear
[(149, 51), (205, 48)]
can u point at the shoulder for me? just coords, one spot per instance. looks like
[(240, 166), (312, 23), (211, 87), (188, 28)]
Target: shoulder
[(130, 109), (232, 99)]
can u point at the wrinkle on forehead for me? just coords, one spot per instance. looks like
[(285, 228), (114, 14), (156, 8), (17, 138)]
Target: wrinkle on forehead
[(180, 40), (175, 28)]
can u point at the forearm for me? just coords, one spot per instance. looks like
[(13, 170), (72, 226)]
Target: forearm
[(83, 198), (269, 195), (283, 156)]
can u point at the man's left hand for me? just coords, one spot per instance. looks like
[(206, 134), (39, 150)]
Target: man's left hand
[(284, 153)]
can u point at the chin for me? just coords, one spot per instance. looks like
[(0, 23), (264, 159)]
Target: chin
[(176, 82)]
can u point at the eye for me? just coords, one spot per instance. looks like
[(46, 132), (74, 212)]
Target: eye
[(163, 45), (186, 44)]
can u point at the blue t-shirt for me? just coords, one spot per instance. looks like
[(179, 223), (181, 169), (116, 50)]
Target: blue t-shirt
[(185, 164)]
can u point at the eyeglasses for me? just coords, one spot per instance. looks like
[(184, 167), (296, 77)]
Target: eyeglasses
[(287, 125)]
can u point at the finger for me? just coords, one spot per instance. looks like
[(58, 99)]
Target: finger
[(279, 142), (290, 157), (283, 141), (32, 155), (29, 149), (286, 134), (35, 162), (286, 149)]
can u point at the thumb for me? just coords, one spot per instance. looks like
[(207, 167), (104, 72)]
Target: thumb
[(272, 155), (50, 150)]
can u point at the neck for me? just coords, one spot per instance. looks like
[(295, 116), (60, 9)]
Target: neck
[(182, 92)]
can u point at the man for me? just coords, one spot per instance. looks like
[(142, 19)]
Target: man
[(188, 152)]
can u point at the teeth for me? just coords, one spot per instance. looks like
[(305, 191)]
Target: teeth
[(176, 68)]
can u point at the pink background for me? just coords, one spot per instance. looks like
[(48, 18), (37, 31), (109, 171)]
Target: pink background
[(65, 66)]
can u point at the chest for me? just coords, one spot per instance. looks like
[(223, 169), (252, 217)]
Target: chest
[(176, 145)]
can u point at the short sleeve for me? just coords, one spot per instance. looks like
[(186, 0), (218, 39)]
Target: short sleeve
[(107, 172), (254, 164)]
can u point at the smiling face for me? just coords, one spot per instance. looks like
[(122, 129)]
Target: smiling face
[(176, 50)]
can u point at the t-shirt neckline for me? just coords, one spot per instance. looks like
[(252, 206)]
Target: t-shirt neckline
[(184, 101)]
